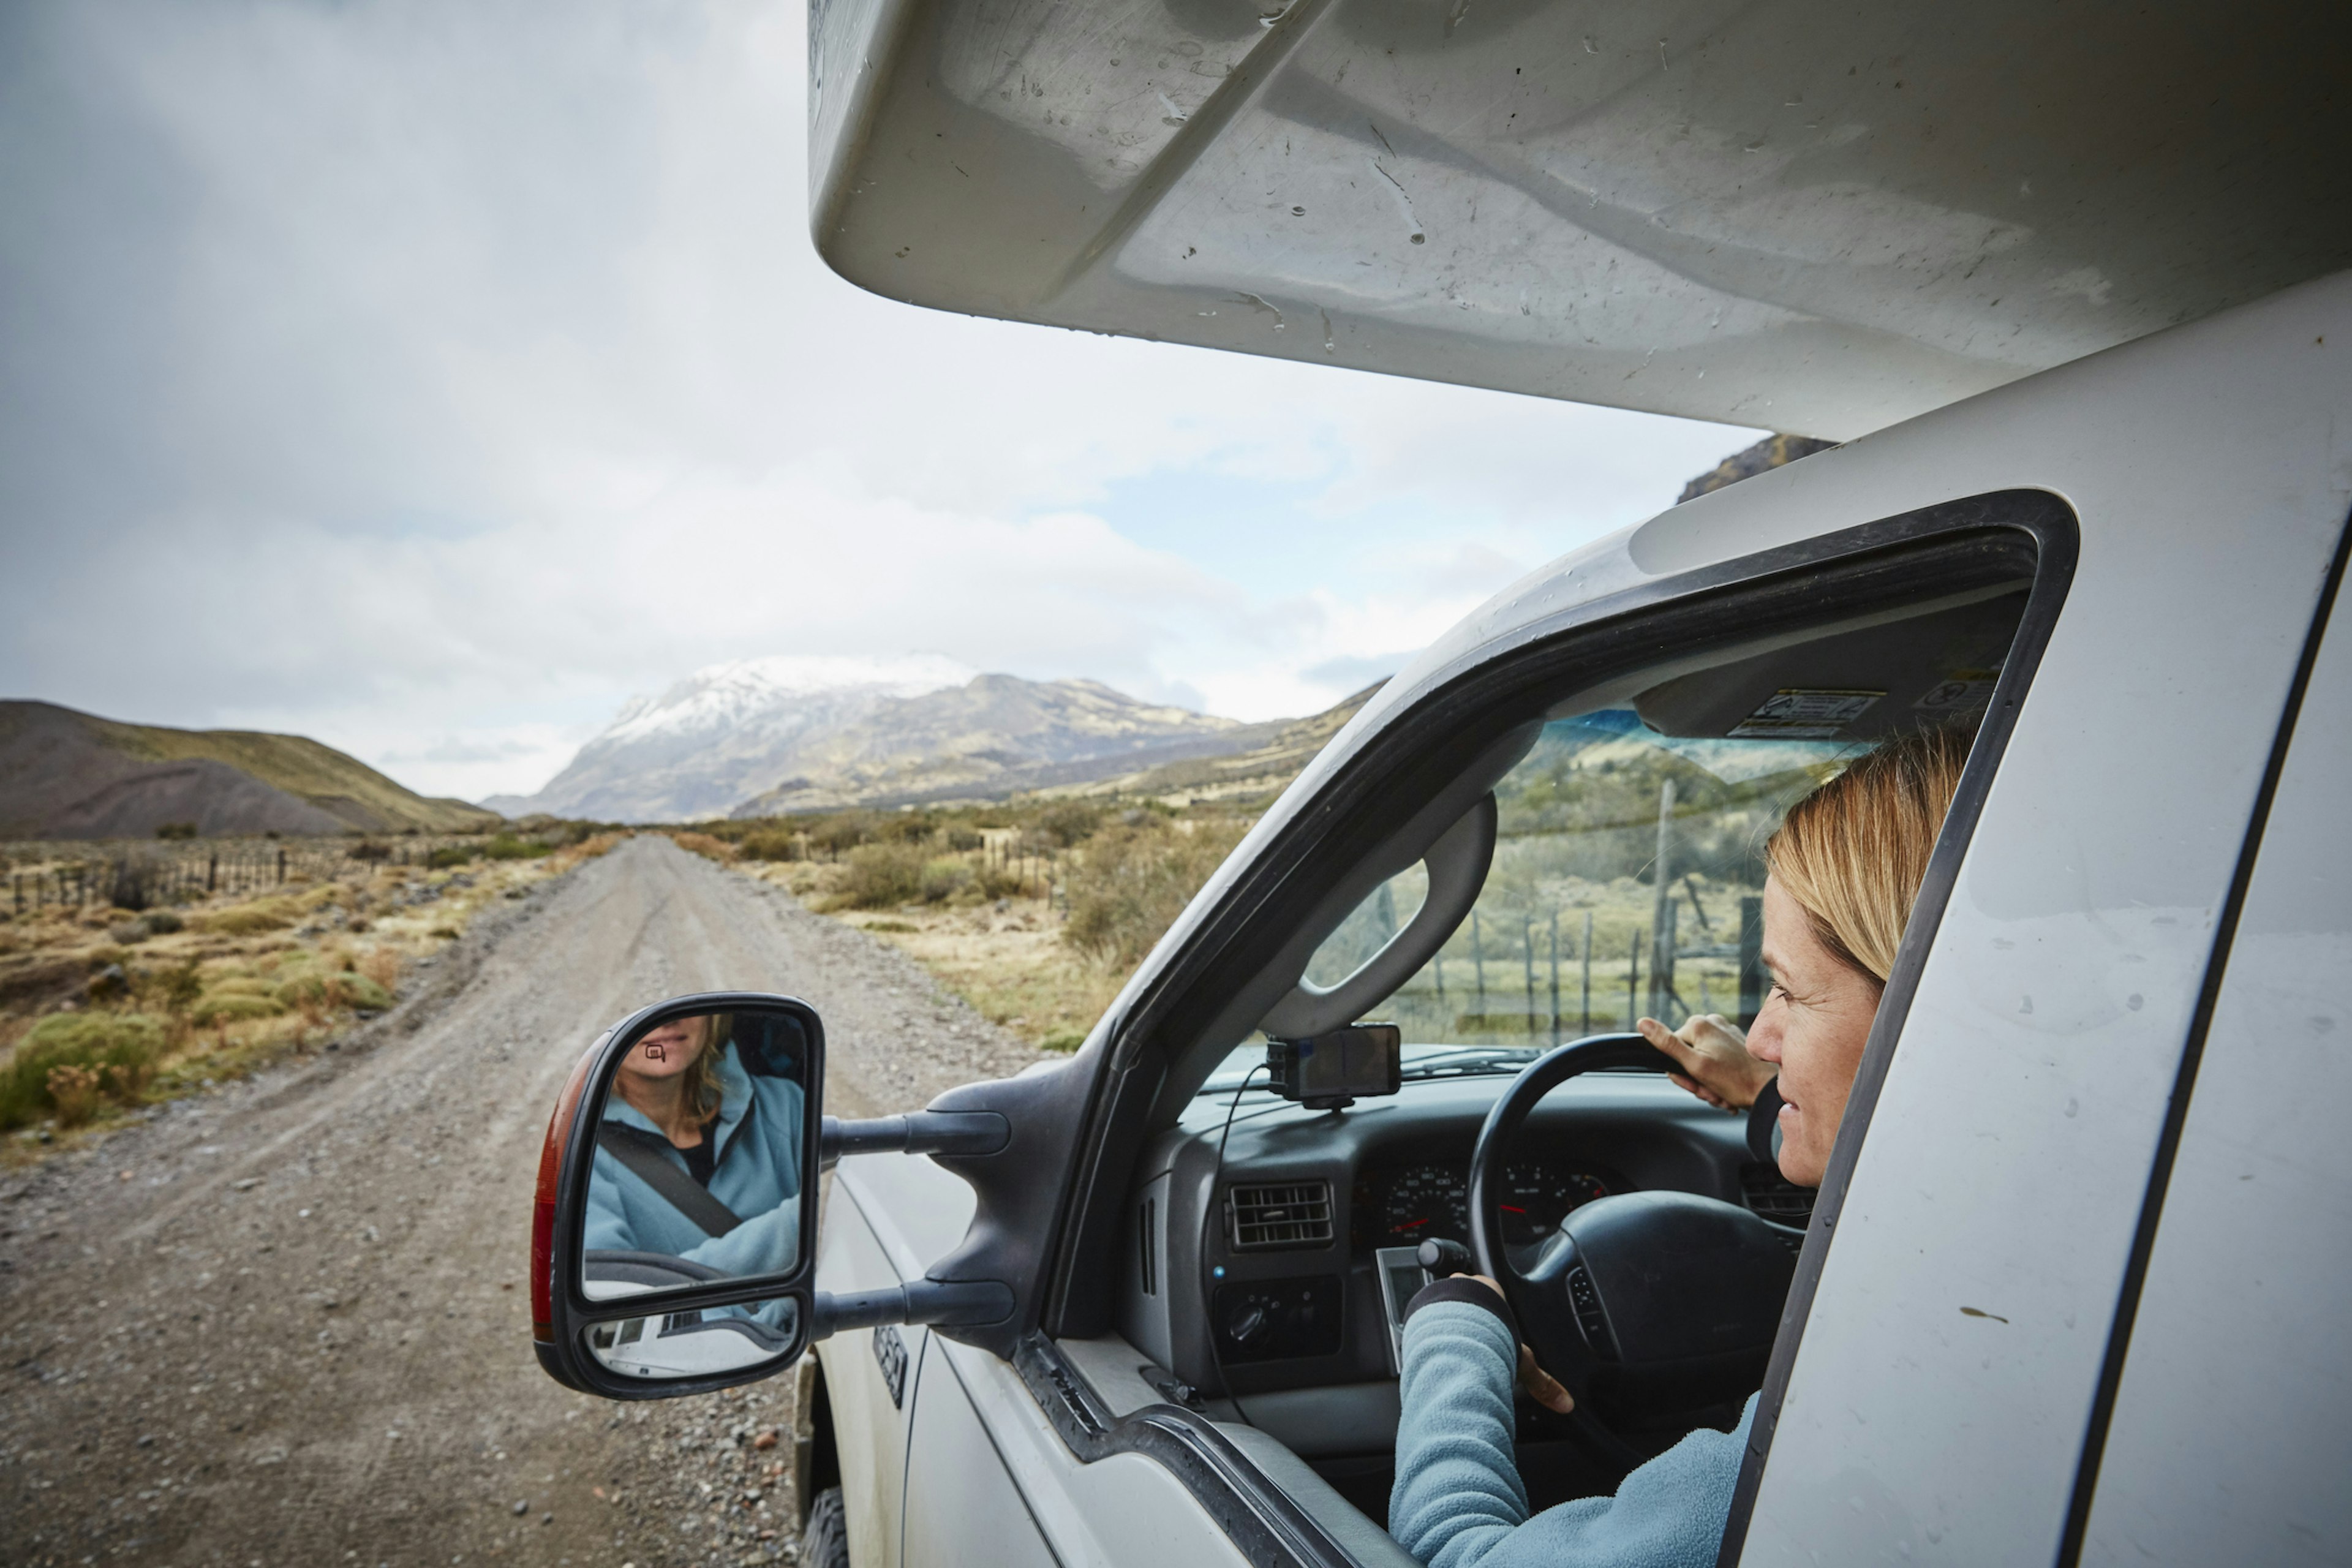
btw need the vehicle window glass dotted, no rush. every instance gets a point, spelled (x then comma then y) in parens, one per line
(1627, 881)
(1369, 928)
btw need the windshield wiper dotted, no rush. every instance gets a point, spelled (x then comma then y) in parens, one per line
(1470, 1060)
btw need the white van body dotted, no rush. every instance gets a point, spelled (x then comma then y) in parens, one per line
(1963, 1337)
(2077, 1288)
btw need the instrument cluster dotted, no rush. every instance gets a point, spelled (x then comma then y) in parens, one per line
(1405, 1204)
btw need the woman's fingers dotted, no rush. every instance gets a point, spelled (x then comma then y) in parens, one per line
(1541, 1387)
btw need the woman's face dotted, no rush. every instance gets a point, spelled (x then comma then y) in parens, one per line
(1814, 1024)
(668, 1050)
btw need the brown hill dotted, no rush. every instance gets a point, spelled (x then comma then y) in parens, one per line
(65, 774)
(1260, 772)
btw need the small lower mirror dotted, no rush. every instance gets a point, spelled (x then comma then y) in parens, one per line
(713, 1340)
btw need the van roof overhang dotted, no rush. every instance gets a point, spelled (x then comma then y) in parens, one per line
(1810, 218)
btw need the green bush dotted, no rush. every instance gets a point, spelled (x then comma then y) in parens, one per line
(448, 857)
(883, 875)
(340, 990)
(964, 841)
(176, 830)
(943, 880)
(507, 846)
(771, 844)
(217, 1007)
(122, 1048)
(1069, 822)
(841, 830)
(162, 922)
(1133, 882)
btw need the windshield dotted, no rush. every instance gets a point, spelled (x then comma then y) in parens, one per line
(1628, 881)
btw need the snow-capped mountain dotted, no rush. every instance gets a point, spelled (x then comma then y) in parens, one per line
(798, 733)
(725, 733)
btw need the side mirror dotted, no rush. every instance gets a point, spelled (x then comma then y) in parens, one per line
(674, 1230)
(672, 1240)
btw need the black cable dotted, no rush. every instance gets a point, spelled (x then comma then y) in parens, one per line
(1231, 1106)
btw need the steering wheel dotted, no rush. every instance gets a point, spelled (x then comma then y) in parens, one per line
(1649, 1300)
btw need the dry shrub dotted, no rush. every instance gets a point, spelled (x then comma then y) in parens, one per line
(74, 1091)
(1069, 822)
(1002, 882)
(382, 964)
(772, 844)
(1134, 881)
(879, 876)
(128, 1043)
(703, 845)
(249, 919)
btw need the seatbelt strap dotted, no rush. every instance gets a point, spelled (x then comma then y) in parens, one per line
(1764, 1121)
(637, 1152)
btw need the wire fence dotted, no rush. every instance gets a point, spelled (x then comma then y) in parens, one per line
(44, 876)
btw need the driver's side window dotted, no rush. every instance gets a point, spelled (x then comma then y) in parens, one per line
(1627, 881)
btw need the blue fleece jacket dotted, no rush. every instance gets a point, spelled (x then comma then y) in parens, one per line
(1458, 1501)
(756, 1173)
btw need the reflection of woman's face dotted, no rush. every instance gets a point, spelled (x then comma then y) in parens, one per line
(668, 1050)
(1814, 1024)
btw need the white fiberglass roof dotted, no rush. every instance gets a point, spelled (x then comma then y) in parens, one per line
(1815, 218)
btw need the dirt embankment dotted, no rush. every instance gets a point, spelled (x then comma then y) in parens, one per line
(288, 1322)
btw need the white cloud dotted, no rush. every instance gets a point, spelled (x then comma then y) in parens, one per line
(430, 378)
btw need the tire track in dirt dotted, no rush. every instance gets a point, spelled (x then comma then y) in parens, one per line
(296, 1331)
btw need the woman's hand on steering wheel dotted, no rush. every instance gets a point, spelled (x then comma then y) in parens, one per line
(1534, 1381)
(1713, 1054)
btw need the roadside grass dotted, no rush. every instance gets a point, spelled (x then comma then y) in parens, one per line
(106, 1011)
(1033, 912)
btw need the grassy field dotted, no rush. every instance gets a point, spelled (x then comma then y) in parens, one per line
(106, 1009)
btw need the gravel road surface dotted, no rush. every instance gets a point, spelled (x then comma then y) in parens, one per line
(288, 1322)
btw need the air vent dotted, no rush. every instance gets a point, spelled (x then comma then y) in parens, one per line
(1774, 1197)
(1278, 1217)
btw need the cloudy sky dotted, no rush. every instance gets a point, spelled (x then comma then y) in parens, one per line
(431, 377)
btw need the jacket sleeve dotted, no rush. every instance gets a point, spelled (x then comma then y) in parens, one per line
(763, 1243)
(1459, 1501)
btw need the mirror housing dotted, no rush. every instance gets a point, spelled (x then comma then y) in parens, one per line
(638, 1314)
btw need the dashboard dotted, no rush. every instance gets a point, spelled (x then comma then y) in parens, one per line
(1268, 1261)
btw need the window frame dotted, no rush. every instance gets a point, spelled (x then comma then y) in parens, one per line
(2032, 535)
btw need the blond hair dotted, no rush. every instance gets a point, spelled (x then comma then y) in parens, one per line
(1853, 853)
(701, 1089)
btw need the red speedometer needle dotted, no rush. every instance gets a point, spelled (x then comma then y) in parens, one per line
(1508, 1210)
(1410, 1225)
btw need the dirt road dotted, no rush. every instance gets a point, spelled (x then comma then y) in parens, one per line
(289, 1323)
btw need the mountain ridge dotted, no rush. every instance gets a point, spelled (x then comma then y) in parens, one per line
(784, 733)
(65, 774)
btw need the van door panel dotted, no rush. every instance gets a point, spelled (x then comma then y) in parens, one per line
(2231, 1433)
(870, 1427)
(983, 1446)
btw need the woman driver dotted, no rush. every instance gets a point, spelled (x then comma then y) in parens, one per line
(683, 1099)
(1844, 868)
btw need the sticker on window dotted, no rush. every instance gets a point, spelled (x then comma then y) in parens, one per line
(1968, 691)
(1802, 713)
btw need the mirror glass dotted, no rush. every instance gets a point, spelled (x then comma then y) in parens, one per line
(701, 1154)
(692, 1344)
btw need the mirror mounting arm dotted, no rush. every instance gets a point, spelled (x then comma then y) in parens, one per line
(916, 1133)
(957, 1303)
